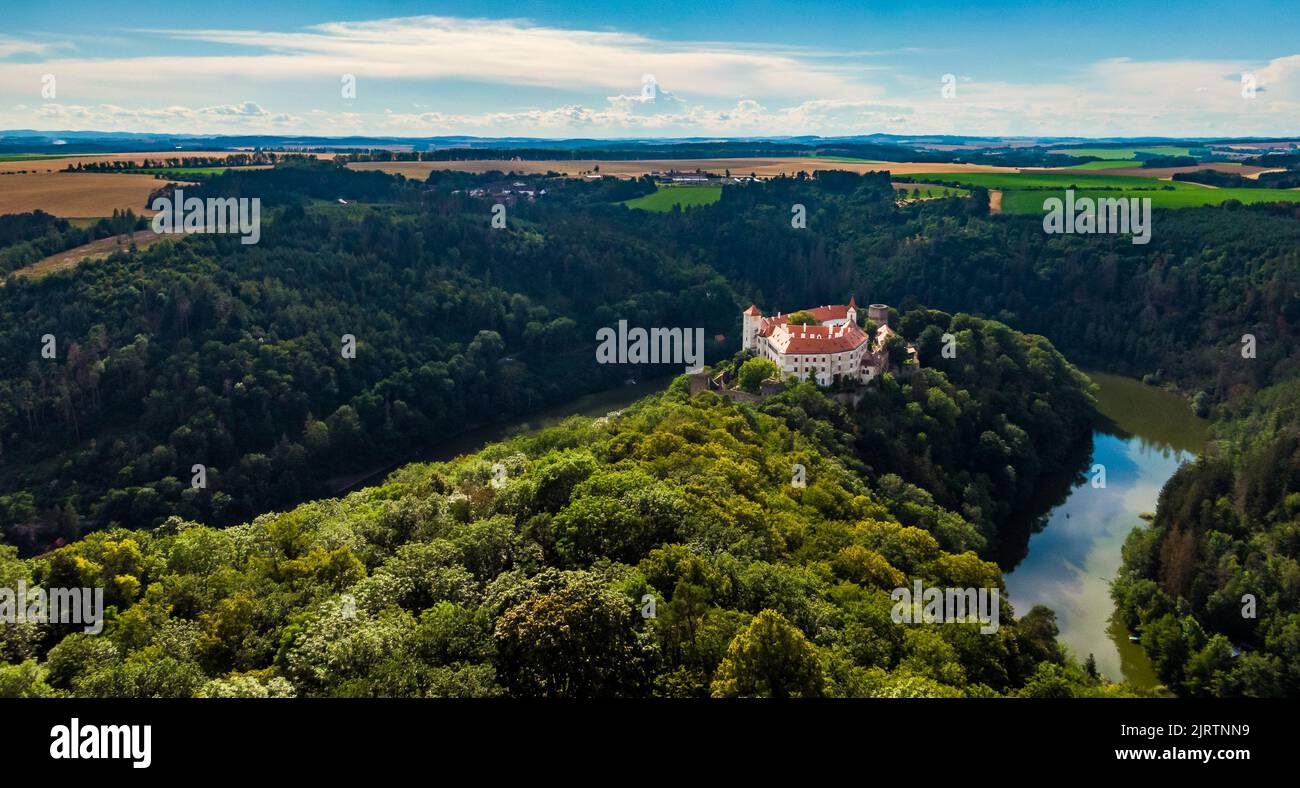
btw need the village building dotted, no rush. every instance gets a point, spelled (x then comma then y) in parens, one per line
(674, 176)
(835, 348)
(508, 192)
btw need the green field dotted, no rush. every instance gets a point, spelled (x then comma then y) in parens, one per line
(1016, 181)
(1032, 201)
(667, 196)
(1107, 164)
(1024, 192)
(1125, 153)
(930, 191)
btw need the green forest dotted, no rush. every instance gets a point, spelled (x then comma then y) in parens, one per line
(442, 583)
(201, 351)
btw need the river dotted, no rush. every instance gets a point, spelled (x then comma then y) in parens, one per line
(1145, 435)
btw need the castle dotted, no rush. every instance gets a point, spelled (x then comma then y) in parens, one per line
(834, 348)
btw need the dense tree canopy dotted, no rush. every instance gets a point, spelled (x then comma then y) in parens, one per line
(204, 352)
(661, 550)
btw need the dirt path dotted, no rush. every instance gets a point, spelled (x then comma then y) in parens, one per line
(1254, 176)
(95, 250)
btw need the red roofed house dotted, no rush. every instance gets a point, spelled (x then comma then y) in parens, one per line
(835, 348)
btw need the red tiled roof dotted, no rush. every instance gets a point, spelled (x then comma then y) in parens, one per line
(820, 313)
(753, 310)
(815, 340)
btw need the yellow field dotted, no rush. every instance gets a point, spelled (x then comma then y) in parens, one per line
(56, 165)
(764, 168)
(75, 194)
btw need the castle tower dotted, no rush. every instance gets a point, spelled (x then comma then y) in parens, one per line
(749, 322)
(879, 314)
(852, 315)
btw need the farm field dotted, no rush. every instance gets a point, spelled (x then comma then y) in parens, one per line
(685, 196)
(635, 168)
(1032, 201)
(1058, 179)
(55, 163)
(1136, 168)
(1125, 153)
(1105, 164)
(35, 156)
(78, 194)
(1025, 191)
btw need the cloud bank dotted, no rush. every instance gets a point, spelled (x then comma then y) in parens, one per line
(433, 75)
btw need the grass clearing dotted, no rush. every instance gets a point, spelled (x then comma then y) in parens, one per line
(665, 197)
(929, 191)
(95, 250)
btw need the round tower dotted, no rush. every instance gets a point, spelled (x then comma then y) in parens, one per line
(878, 314)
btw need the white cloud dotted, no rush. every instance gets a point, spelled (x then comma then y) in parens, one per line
(10, 46)
(557, 82)
(507, 52)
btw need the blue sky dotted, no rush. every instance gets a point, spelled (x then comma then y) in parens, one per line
(617, 69)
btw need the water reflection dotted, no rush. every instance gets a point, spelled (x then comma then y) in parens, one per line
(1069, 562)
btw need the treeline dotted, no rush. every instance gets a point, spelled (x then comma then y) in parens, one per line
(1017, 157)
(1226, 180)
(685, 150)
(660, 552)
(1169, 161)
(178, 162)
(26, 238)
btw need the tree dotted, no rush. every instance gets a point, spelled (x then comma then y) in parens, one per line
(754, 371)
(574, 641)
(803, 318)
(25, 680)
(770, 658)
(1090, 666)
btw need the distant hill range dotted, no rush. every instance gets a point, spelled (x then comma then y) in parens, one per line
(883, 146)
